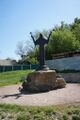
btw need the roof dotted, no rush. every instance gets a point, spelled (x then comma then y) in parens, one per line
(66, 54)
(7, 62)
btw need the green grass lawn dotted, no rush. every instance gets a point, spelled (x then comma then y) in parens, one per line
(12, 77)
(59, 112)
(15, 112)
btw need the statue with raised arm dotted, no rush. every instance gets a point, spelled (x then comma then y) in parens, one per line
(43, 79)
(41, 41)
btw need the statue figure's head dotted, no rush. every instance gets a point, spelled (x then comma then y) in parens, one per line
(40, 35)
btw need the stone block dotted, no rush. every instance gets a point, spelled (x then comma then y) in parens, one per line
(61, 83)
(38, 81)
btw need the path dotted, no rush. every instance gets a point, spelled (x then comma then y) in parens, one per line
(11, 94)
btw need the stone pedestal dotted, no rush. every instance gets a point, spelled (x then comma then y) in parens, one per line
(43, 81)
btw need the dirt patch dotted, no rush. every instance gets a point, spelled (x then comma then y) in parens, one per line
(12, 95)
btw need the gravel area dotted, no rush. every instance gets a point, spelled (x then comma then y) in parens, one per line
(12, 95)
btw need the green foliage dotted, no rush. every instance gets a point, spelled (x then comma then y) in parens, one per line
(64, 38)
(75, 117)
(24, 116)
(65, 117)
(32, 56)
(75, 28)
(59, 112)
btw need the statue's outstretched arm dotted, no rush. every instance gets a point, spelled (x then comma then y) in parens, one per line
(32, 38)
(49, 35)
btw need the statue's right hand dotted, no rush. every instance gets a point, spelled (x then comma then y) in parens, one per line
(31, 33)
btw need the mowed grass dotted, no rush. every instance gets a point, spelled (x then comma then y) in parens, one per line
(12, 77)
(58, 112)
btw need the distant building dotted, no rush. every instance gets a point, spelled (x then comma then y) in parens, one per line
(7, 62)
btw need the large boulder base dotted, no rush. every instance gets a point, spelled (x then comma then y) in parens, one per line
(39, 81)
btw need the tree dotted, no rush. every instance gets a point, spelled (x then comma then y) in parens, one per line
(62, 40)
(75, 28)
(21, 50)
(31, 57)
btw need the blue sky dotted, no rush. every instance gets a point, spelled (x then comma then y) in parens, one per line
(19, 17)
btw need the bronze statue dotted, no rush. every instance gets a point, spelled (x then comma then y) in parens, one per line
(41, 41)
(42, 79)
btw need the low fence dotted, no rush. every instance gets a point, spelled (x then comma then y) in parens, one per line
(17, 67)
(70, 63)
